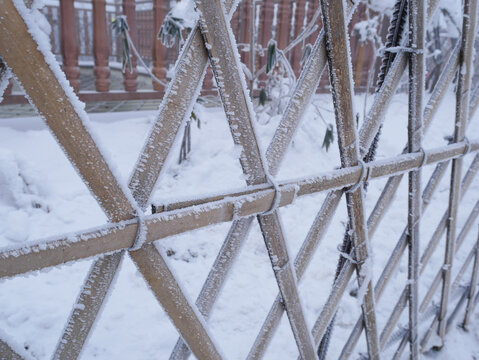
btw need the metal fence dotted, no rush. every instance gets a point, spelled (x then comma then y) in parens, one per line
(131, 233)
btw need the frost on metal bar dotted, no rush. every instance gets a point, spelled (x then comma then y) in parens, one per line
(68, 123)
(241, 205)
(462, 114)
(239, 112)
(216, 277)
(398, 251)
(300, 99)
(417, 35)
(167, 290)
(323, 218)
(472, 286)
(197, 213)
(48, 90)
(176, 105)
(342, 89)
(8, 352)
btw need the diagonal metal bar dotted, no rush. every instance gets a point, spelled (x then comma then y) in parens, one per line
(55, 105)
(332, 201)
(307, 84)
(337, 47)
(66, 123)
(396, 256)
(392, 185)
(472, 286)
(437, 279)
(462, 114)
(400, 305)
(417, 22)
(453, 315)
(402, 302)
(383, 98)
(434, 286)
(7, 352)
(216, 277)
(238, 108)
(169, 293)
(300, 99)
(176, 105)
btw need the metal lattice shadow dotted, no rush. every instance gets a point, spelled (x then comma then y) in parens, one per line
(129, 231)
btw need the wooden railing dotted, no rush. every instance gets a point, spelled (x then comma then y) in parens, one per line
(131, 232)
(82, 37)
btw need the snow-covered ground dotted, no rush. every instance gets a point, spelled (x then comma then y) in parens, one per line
(42, 196)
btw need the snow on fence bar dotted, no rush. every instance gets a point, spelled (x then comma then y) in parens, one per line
(131, 232)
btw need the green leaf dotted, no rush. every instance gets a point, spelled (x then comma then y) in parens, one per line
(328, 137)
(263, 97)
(195, 117)
(170, 30)
(271, 58)
(306, 53)
(121, 28)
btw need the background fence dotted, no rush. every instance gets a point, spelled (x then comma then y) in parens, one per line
(82, 36)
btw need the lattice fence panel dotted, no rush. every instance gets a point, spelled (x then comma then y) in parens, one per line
(130, 232)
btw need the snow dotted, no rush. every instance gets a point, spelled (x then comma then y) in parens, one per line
(34, 308)
(185, 9)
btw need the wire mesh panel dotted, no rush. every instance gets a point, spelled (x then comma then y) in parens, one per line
(131, 232)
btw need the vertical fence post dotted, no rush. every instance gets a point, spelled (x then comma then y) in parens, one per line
(298, 27)
(159, 51)
(252, 40)
(339, 63)
(69, 43)
(472, 286)
(130, 77)
(462, 113)
(267, 14)
(284, 22)
(101, 48)
(243, 35)
(417, 21)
